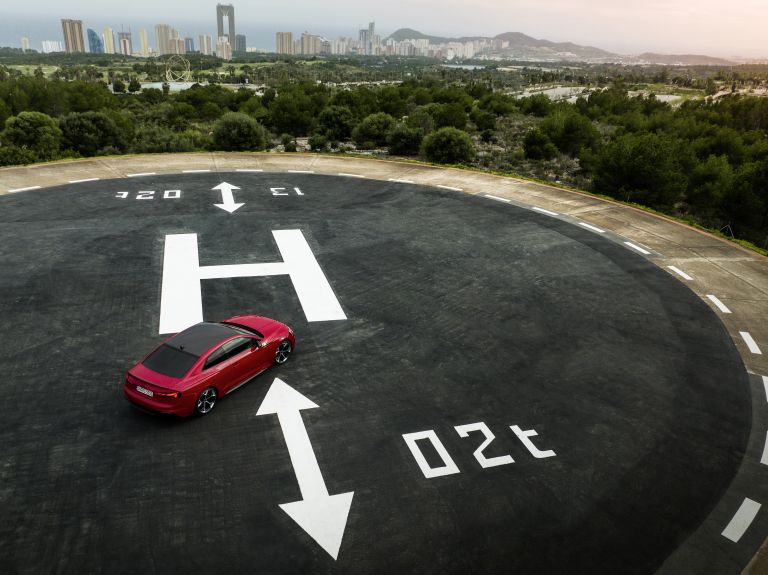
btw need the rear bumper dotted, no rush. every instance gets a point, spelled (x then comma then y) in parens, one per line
(182, 407)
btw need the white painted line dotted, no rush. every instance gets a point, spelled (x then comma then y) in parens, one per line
(547, 212)
(23, 189)
(83, 180)
(591, 227)
(194, 171)
(681, 273)
(742, 520)
(498, 199)
(401, 181)
(301, 171)
(248, 170)
(764, 458)
(638, 248)
(141, 174)
(352, 175)
(720, 305)
(751, 344)
(450, 188)
(765, 385)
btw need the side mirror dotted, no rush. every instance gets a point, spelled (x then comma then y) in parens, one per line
(256, 344)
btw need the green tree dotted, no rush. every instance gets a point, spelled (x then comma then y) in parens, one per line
(33, 131)
(238, 132)
(118, 86)
(373, 130)
(643, 168)
(451, 115)
(404, 140)
(570, 131)
(336, 122)
(483, 120)
(448, 146)
(134, 85)
(538, 146)
(89, 132)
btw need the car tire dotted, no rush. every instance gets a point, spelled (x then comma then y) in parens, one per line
(283, 352)
(206, 401)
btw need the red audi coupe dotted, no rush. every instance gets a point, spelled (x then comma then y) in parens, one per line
(187, 373)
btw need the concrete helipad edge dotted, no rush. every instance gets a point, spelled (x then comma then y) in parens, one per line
(731, 279)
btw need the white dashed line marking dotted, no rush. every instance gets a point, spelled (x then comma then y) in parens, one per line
(194, 171)
(301, 171)
(352, 175)
(450, 188)
(764, 458)
(681, 273)
(83, 180)
(498, 199)
(401, 181)
(720, 305)
(23, 189)
(591, 227)
(742, 520)
(141, 174)
(751, 344)
(543, 211)
(638, 248)
(248, 170)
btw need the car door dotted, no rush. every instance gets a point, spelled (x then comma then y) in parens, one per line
(228, 364)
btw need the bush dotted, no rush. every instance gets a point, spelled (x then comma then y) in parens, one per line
(538, 146)
(87, 133)
(404, 140)
(238, 132)
(14, 156)
(318, 142)
(336, 122)
(152, 139)
(373, 130)
(33, 131)
(448, 146)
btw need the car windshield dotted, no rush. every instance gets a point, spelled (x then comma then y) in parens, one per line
(170, 361)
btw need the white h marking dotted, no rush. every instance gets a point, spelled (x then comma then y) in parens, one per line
(181, 301)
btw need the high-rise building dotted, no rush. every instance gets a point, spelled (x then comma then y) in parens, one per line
(24, 44)
(73, 36)
(284, 42)
(227, 10)
(206, 44)
(51, 46)
(144, 41)
(223, 48)
(95, 44)
(125, 42)
(168, 40)
(109, 40)
(240, 43)
(189, 45)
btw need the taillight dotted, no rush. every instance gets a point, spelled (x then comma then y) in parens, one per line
(172, 394)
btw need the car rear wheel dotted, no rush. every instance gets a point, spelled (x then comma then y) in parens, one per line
(283, 352)
(206, 401)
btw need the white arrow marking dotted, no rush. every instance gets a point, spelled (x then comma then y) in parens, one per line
(227, 199)
(322, 516)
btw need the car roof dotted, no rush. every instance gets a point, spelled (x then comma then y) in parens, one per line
(201, 337)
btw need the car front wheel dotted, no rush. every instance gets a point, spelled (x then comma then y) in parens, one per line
(283, 352)
(206, 401)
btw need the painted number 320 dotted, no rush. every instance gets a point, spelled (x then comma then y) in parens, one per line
(150, 195)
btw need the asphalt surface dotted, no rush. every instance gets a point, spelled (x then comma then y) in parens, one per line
(460, 310)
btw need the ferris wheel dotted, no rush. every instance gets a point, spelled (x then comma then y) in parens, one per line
(178, 69)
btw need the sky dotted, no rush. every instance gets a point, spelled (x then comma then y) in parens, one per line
(733, 28)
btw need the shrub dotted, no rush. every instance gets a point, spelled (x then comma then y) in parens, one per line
(538, 146)
(238, 132)
(448, 146)
(87, 133)
(33, 131)
(404, 140)
(373, 130)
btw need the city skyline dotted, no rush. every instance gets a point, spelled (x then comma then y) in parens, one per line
(621, 26)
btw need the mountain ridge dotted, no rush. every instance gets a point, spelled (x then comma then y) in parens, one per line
(523, 46)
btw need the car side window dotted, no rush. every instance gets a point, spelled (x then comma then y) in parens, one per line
(230, 349)
(217, 356)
